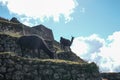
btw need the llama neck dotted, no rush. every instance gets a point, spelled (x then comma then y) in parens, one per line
(46, 49)
(23, 29)
(49, 52)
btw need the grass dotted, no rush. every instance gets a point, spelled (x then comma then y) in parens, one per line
(61, 61)
(13, 34)
(58, 49)
(57, 46)
(8, 22)
(7, 32)
(8, 53)
(40, 60)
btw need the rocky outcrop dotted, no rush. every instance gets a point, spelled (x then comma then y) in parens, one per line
(15, 26)
(17, 68)
(47, 33)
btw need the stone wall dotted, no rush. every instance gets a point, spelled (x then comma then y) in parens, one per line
(110, 76)
(8, 43)
(17, 68)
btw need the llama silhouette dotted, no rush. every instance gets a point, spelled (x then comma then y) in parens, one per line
(34, 42)
(65, 43)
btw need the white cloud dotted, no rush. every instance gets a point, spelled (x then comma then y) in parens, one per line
(105, 52)
(42, 9)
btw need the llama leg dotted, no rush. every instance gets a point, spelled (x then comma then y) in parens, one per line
(39, 51)
(55, 53)
(69, 49)
(34, 53)
(65, 48)
(22, 51)
(31, 53)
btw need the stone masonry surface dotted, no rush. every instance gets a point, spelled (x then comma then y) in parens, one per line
(18, 68)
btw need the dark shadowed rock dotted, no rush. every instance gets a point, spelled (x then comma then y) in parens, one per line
(46, 33)
(70, 56)
(14, 19)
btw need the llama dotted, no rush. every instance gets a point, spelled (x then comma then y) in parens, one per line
(65, 43)
(34, 43)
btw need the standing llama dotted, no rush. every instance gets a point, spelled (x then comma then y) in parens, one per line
(65, 43)
(34, 43)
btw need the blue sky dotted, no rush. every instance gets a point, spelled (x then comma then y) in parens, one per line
(89, 17)
(95, 24)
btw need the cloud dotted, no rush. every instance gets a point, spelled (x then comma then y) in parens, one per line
(104, 52)
(42, 9)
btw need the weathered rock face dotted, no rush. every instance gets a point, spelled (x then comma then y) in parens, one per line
(1, 18)
(18, 68)
(47, 33)
(15, 26)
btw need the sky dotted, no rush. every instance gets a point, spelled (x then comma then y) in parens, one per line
(95, 24)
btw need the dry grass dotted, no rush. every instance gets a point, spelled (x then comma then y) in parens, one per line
(13, 34)
(40, 60)
(58, 49)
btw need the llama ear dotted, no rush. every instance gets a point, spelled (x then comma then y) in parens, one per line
(61, 37)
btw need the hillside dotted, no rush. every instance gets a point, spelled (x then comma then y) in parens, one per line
(13, 66)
